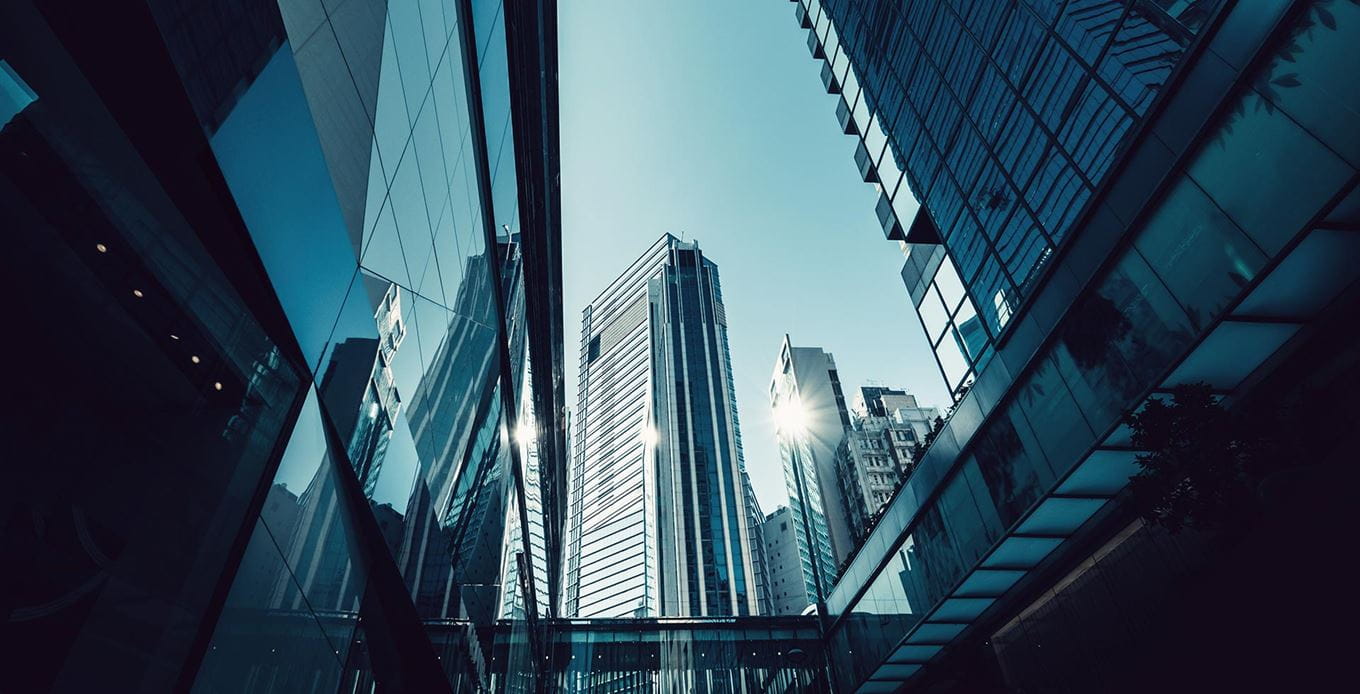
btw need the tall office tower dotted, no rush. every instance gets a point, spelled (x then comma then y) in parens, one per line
(877, 452)
(1001, 119)
(285, 274)
(659, 522)
(791, 591)
(809, 411)
(1116, 198)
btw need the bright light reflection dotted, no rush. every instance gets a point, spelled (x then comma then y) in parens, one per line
(790, 417)
(525, 433)
(649, 435)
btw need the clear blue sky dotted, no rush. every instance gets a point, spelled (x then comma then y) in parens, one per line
(709, 119)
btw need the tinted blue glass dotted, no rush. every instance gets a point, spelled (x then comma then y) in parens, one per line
(254, 640)
(1011, 466)
(413, 61)
(1139, 59)
(1086, 26)
(1093, 131)
(392, 123)
(1054, 84)
(1310, 79)
(294, 601)
(1102, 359)
(269, 153)
(965, 523)
(1203, 258)
(1059, 428)
(15, 94)
(1299, 173)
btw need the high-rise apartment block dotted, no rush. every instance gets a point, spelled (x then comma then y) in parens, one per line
(790, 587)
(662, 519)
(1100, 201)
(879, 450)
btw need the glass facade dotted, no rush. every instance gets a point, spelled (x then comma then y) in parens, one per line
(731, 654)
(305, 454)
(999, 120)
(1197, 294)
(662, 519)
(288, 412)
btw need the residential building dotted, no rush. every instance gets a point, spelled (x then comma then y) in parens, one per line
(1099, 202)
(661, 520)
(288, 280)
(790, 582)
(879, 450)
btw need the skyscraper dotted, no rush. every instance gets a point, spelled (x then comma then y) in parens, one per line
(290, 279)
(1001, 119)
(1100, 201)
(660, 521)
(810, 415)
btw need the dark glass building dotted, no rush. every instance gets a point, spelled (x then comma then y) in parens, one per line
(1001, 119)
(1100, 202)
(290, 413)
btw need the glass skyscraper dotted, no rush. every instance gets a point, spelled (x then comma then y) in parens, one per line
(1001, 119)
(1100, 201)
(292, 398)
(810, 415)
(662, 519)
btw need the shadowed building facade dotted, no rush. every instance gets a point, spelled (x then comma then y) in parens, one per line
(1099, 201)
(291, 273)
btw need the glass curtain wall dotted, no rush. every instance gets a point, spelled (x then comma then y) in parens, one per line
(298, 452)
(1207, 239)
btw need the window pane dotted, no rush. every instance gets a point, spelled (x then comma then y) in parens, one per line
(1293, 174)
(951, 287)
(1202, 256)
(933, 315)
(952, 359)
(1322, 94)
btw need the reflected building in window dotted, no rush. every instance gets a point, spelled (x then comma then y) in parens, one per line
(662, 520)
(295, 281)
